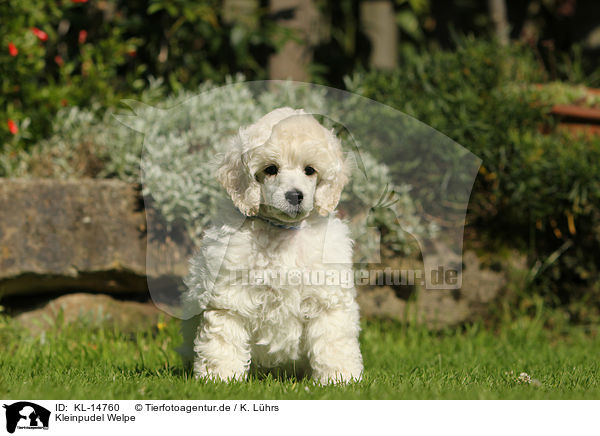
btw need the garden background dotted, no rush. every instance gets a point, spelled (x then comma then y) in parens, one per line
(511, 81)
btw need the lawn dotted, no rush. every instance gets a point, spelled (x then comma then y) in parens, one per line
(401, 362)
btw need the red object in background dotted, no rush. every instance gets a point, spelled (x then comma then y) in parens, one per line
(79, 1)
(42, 36)
(576, 117)
(12, 50)
(64, 102)
(577, 112)
(12, 127)
(132, 53)
(59, 61)
(82, 36)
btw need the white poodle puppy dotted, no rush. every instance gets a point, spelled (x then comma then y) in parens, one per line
(276, 289)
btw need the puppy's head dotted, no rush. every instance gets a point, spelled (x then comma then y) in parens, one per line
(283, 167)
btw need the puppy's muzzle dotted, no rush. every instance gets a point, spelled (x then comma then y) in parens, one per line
(294, 197)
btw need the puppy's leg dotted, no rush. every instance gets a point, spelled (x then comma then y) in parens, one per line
(333, 348)
(222, 347)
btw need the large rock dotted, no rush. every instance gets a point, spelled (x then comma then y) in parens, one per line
(93, 311)
(90, 235)
(482, 286)
(78, 235)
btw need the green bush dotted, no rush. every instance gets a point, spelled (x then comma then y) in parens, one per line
(537, 191)
(84, 52)
(177, 149)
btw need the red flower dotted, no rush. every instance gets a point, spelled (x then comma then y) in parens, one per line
(42, 36)
(82, 36)
(59, 60)
(12, 50)
(12, 127)
(132, 53)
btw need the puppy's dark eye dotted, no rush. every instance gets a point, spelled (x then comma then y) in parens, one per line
(309, 171)
(271, 170)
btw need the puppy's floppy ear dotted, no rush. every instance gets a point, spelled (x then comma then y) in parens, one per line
(333, 178)
(239, 182)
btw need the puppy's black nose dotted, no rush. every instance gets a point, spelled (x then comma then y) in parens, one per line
(294, 197)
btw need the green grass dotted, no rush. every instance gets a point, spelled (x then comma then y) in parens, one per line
(401, 362)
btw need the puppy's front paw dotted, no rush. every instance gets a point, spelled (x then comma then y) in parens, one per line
(337, 377)
(223, 374)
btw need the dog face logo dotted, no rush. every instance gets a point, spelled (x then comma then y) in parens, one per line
(26, 415)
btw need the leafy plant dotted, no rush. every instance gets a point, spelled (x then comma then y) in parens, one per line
(176, 144)
(93, 53)
(537, 191)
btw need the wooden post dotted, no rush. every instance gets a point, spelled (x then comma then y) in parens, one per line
(239, 10)
(378, 21)
(497, 10)
(293, 60)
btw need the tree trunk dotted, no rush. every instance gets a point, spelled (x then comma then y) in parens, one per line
(379, 23)
(293, 60)
(240, 10)
(497, 10)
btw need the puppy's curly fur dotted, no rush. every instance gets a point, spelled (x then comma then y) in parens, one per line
(285, 174)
